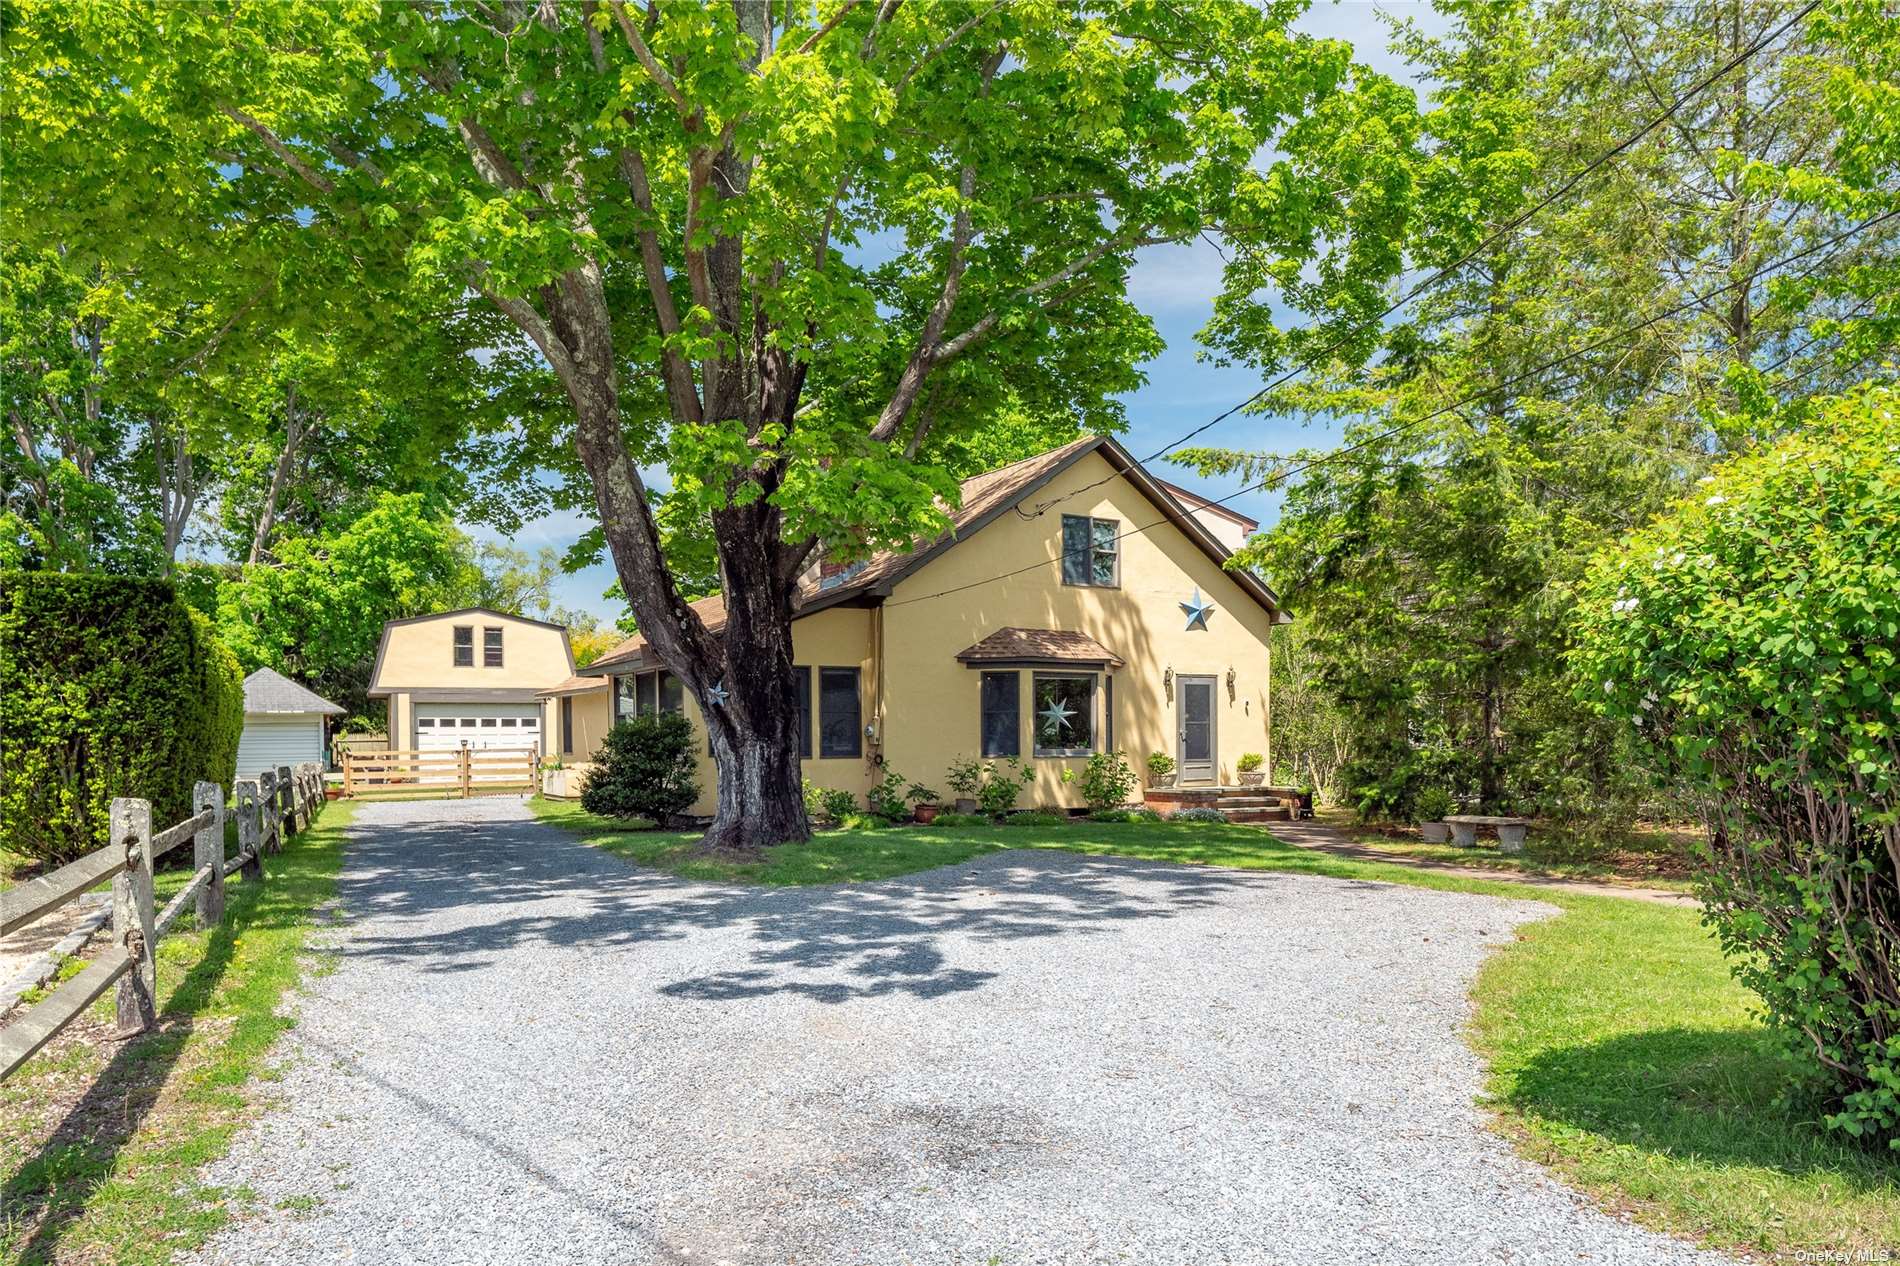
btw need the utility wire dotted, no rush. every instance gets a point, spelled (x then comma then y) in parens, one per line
(1493, 239)
(1332, 455)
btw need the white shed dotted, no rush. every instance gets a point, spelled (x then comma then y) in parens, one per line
(283, 723)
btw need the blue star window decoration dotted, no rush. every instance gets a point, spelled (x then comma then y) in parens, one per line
(1198, 609)
(1056, 717)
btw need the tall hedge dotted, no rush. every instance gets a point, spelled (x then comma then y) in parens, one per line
(1751, 642)
(109, 686)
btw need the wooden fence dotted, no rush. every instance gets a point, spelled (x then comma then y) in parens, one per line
(266, 808)
(463, 771)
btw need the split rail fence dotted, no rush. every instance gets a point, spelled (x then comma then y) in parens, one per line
(266, 808)
(463, 771)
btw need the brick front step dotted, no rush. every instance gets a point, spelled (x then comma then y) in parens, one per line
(1240, 804)
(1278, 813)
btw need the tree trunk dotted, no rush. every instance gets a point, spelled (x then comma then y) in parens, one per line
(755, 730)
(267, 517)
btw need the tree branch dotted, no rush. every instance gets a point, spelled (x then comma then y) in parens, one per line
(311, 176)
(844, 11)
(948, 40)
(987, 322)
(654, 70)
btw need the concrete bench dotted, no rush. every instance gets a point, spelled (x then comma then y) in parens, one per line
(1464, 831)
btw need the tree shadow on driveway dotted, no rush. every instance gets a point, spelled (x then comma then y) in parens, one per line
(454, 897)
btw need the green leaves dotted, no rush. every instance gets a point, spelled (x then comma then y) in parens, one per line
(1748, 642)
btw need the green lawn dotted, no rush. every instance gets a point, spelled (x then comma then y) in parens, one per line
(101, 1143)
(1620, 1052)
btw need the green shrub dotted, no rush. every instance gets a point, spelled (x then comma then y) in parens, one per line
(1107, 781)
(965, 776)
(1750, 643)
(645, 769)
(1036, 817)
(961, 819)
(834, 804)
(917, 793)
(109, 686)
(863, 822)
(1249, 762)
(1197, 815)
(1004, 782)
(1124, 816)
(1432, 805)
(886, 799)
(1160, 764)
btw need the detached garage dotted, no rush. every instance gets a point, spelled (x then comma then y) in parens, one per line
(283, 723)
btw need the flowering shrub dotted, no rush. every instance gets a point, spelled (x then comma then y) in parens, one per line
(1197, 815)
(1751, 642)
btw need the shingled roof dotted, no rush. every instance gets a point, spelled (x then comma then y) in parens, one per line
(269, 691)
(983, 497)
(1039, 646)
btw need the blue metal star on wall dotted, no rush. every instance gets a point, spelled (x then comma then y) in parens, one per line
(716, 694)
(1198, 609)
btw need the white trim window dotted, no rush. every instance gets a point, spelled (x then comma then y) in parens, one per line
(1063, 714)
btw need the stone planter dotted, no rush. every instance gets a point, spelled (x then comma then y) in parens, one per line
(965, 804)
(927, 813)
(1252, 779)
(1434, 832)
(1159, 781)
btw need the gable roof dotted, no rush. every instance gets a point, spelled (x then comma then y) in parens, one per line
(984, 497)
(1195, 502)
(267, 690)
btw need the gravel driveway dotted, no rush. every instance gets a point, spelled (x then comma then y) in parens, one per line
(531, 1052)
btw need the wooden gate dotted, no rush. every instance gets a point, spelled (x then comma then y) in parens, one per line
(448, 772)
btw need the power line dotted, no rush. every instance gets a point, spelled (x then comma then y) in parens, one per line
(1493, 239)
(1280, 476)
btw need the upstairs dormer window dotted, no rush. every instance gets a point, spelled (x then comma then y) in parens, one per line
(1089, 551)
(491, 647)
(465, 646)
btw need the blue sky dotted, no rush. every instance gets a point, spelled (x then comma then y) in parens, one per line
(1176, 286)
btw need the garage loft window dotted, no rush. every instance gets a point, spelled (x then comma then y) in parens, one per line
(465, 646)
(1065, 714)
(1090, 554)
(491, 648)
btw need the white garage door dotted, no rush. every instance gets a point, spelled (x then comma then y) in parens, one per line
(271, 739)
(446, 726)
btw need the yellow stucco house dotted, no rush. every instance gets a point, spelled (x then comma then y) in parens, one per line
(1076, 604)
(468, 678)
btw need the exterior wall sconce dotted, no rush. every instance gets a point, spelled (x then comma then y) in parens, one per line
(1230, 684)
(1167, 683)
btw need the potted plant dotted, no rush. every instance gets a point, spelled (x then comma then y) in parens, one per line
(1430, 807)
(1160, 769)
(925, 803)
(1249, 768)
(966, 779)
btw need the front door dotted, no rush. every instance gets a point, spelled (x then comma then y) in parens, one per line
(1196, 757)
